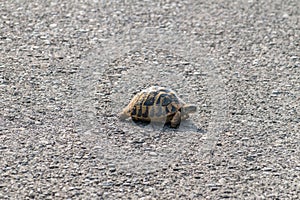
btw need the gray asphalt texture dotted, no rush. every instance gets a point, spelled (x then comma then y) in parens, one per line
(67, 69)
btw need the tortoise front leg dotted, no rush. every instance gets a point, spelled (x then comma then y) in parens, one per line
(175, 122)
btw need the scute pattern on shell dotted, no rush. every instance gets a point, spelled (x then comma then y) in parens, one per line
(158, 104)
(154, 104)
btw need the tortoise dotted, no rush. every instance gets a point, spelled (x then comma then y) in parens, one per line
(157, 104)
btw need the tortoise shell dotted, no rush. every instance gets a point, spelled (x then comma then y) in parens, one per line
(157, 104)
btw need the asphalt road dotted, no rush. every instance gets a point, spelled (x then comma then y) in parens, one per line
(67, 68)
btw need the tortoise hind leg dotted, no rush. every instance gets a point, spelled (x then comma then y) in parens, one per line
(175, 121)
(124, 114)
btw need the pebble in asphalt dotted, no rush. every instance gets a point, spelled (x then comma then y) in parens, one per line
(66, 68)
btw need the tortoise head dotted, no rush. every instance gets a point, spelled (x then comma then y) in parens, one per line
(188, 108)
